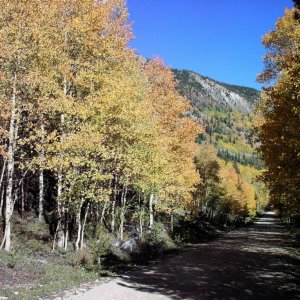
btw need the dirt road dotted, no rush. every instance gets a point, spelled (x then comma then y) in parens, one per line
(260, 262)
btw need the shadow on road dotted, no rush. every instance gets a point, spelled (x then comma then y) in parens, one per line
(252, 263)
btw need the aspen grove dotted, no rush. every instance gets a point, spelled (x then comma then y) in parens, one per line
(91, 133)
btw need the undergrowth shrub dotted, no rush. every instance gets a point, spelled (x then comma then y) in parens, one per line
(84, 259)
(156, 241)
(100, 246)
(193, 231)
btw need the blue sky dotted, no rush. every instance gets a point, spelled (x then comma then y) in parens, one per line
(220, 39)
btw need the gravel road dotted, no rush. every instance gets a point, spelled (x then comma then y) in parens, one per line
(259, 262)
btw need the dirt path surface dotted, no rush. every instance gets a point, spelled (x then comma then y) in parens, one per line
(259, 262)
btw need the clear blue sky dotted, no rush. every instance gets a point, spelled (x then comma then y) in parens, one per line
(217, 38)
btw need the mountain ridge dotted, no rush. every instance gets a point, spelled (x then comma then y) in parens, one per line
(205, 90)
(226, 113)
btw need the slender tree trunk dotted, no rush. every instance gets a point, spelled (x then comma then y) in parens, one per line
(60, 207)
(41, 178)
(151, 217)
(83, 226)
(1, 202)
(2, 188)
(172, 222)
(78, 235)
(10, 169)
(60, 234)
(60, 214)
(22, 199)
(103, 213)
(66, 237)
(113, 208)
(123, 210)
(2, 174)
(66, 228)
(78, 222)
(41, 196)
(141, 221)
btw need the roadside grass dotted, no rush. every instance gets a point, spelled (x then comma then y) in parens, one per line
(32, 270)
(53, 278)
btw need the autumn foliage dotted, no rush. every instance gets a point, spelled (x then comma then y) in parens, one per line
(91, 133)
(279, 119)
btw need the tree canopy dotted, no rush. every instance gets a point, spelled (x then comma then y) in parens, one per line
(280, 113)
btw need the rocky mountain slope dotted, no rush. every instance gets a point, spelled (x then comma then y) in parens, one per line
(204, 91)
(225, 111)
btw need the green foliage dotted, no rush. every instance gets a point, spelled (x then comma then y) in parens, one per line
(155, 241)
(195, 230)
(84, 259)
(100, 246)
(229, 130)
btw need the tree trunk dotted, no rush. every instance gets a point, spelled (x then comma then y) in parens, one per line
(66, 229)
(41, 196)
(22, 199)
(83, 226)
(78, 222)
(60, 234)
(151, 217)
(113, 208)
(141, 221)
(10, 170)
(2, 174)
(123, 210)
(2, 189)
(103, 213)
(1, 202)
(60, 214)
(41, 179)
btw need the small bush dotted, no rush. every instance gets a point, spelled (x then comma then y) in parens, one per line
(156, 241)
(84, 259)
(101, 245)
(194, 231)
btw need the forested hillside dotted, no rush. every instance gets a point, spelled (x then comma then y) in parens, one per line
(226, 113)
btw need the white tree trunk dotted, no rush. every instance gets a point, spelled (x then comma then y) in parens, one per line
(83, 226)
(78, 222)
(151, 217)
(141, 223)
(10, 170)
(123, 210)
(60, 207)
(113, 208)
(41, 196)
(2, 173)
(103, 213)
(41, 178)
(2, 188)
(22, 199)
(66, 228)
(60, 214)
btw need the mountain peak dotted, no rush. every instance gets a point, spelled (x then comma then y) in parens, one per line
(203, 91)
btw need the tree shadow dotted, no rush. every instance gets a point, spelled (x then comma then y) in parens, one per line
(251, 263)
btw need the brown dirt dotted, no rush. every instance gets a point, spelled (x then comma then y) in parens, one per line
(15, 277)
(259, 262)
